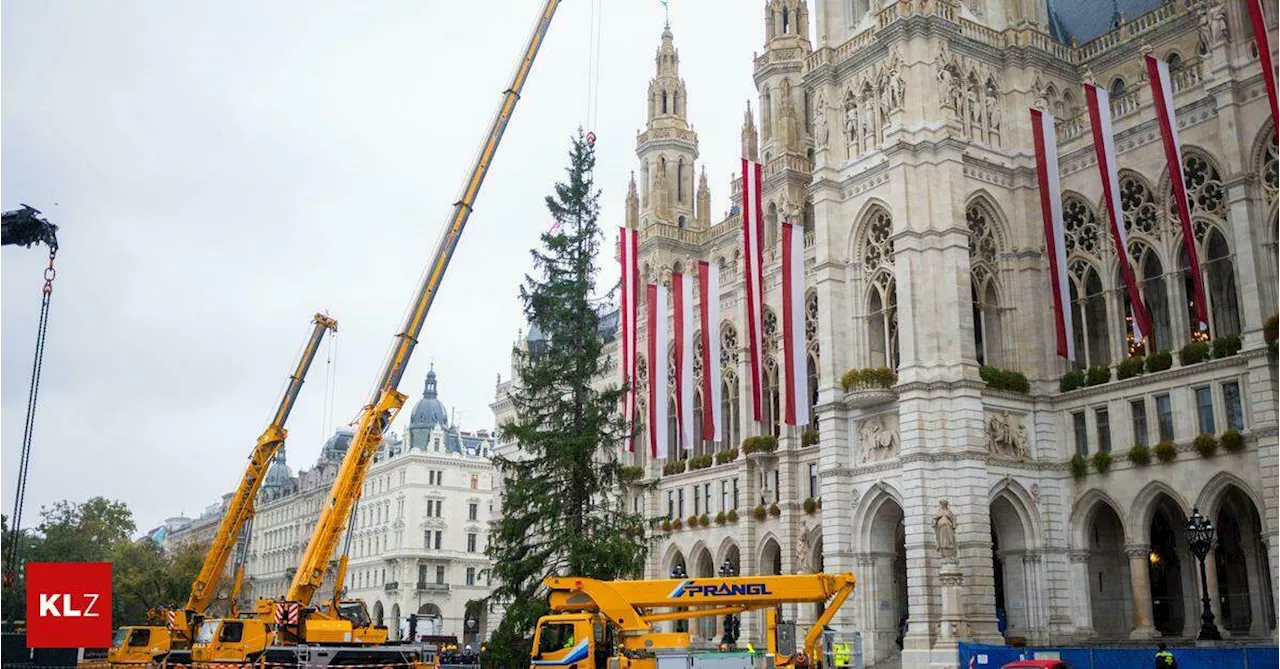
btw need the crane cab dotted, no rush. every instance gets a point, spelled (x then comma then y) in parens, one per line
(232, 640)
(139, 644)
(567, 640)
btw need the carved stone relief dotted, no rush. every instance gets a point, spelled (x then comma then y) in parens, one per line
(1007, 435)
(878, 437)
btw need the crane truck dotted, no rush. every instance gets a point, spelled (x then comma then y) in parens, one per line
(169, 641)
(595, 624)
(291, 630)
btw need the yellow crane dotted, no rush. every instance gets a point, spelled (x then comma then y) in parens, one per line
(595, 622)
(281, 631)
(171, 640)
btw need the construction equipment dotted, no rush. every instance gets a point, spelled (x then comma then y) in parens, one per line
(169, 638)
(611, 623)
(282, 631)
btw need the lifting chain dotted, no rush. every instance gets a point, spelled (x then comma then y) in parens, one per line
(13, 558)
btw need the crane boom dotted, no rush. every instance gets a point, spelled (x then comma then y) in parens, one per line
(386, 400)
(240, 509)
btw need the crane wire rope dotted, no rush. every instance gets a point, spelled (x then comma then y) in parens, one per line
(593, 70)
(33, 394)
(330, 386)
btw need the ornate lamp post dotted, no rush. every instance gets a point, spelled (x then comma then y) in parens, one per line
(1200, 537)
(732, 626)
(679, 572)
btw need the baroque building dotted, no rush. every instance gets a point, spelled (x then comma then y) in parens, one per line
(898, 133)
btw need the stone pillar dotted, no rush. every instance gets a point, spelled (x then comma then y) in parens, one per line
(1258, 613)
(1140, 582)
(1081, 607)
(1215, 593)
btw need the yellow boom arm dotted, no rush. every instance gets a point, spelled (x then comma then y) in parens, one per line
(386, 399)
(240, 509)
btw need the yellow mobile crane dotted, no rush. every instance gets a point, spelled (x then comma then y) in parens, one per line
(171, 641)
(286, 631)
(611, 623)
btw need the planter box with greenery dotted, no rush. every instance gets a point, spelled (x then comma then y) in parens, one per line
(1206, 445)
(765, 444)
(809, 437)
(727, 455)
(630, 473)
(1165, 451)
(868, 387)
(674, 467)
(1232, 441)
(1004, 379)
(1071, 380)
(810, 505)
(666, 524)
(1097, 375)
(1129, 367)
(1140, 454)
(760, 512)
(1102, 461)
(1193, 352)
(1226, 345)
(774, 510)
(693, 522)
(699, 462)
(676, 524)
(1078, 466)
(732, 516)
(1159, 361)
(720, 518)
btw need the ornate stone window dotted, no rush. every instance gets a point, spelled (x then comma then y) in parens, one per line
(877, 251)
(1139, 205)
(881, 294)
(1150, 274)
(1268, 170)
(1205, 192)
(1081, 223)
(1088, 313)
(772, 405)
(729, 410)
(770, 320)
(984, 261)
(728, 347)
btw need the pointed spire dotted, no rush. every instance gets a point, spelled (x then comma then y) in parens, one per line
(703, 214)
(750, 144)
(633, 204)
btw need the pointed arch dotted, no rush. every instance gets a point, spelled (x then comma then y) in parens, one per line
(672, 557)
(1210, 498)
(1144, 507)
(873, 501)
(862, 221)
(769, 560)
(729, 550)
(1020, 500)
(1084, 511)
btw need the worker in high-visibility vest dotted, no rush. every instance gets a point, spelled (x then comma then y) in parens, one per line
(751, 649)
(842, 654)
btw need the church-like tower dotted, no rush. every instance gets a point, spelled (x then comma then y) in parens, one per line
(786, 115)
(668, 146)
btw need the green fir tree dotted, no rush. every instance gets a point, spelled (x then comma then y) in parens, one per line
(562, 511)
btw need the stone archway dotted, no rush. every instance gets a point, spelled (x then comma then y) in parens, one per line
(378, 618)
(395, 631)
(1239, 568)
(1171, 569)
(1016, 572)
(1105, 569)
(430, 620)
(881, 599)
(704, 567)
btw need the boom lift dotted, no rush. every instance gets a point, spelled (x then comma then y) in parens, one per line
(171, 638)
(611, 623)
(279, 631)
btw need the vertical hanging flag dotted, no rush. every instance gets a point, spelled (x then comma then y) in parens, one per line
(793, 342)
(1162, 92)
(709, 310)
(682, 294)
(1262, 40)
(1104, 147)
(1054, 231)
(627, 254)
(753, 262)
(656, 303)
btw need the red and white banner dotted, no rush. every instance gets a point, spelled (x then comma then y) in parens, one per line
(1162, 93)
(682, 294)
(709, 310)
(656, 303)
(1046, 143)
(793, 340)
(753, 252)
(627, 255)
(1105, 148)
(1262, 39)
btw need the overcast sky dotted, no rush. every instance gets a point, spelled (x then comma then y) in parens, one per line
(220, 170)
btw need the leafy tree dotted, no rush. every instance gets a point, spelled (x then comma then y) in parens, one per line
(83, 532)
(144, 577)
(561, 508)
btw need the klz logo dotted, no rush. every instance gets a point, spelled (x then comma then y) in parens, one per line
(691, 589)
(68, 604)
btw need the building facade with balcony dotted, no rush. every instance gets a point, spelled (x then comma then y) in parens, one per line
(900, 137)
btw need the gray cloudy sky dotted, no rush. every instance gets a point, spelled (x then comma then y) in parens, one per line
(223, 169)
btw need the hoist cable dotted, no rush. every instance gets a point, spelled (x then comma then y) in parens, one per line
(595, 91)
(33, 395)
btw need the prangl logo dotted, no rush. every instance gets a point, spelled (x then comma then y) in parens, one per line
(693, 589)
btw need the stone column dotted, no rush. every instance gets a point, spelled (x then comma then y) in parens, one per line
(1140, 582)
(1215, 594)
(1081, 607)
(1253, 567)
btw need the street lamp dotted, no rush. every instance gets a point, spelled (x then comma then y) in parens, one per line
(1200, 537)
(732, 626)
(679, 572)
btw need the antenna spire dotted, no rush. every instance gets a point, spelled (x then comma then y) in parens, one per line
(666, 8)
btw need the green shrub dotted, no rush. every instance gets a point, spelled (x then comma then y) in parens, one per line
(1165, 451)
(1193, 352)
(732, 516)
(1226, 345)
(1140, 454)
(809, 437)
(704, 520)
(1129, 367)
(774, 510)
(1078, 466)
(1271, 330)
(760, 512)
(720, 518)
(1159, 361)
(1232, 441)
(874, 377)
(630, 473)
(699, 462)
(810, 505)
(1206, 445)
(1004, 379)
(1071, 380)
(666, 524)
(1102, 461)
(1098, 375)
(676, 524)
(765, 444)
(674, 467)
(727, 455)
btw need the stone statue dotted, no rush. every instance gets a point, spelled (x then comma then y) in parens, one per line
(1218, 18)
(944, 530)
(897, 88)
(851, 118)
(820, 131)
(946, 84)
(804, 552)
(993, 110)
(886, 98)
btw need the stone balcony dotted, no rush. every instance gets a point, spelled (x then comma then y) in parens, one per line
(433, 588)
(391, 587)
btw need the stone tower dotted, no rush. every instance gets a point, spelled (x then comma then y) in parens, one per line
(786, 115)
(668, 146)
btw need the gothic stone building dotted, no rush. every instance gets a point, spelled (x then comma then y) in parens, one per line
(899, 134)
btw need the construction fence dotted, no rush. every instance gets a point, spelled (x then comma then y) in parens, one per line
(977, 656)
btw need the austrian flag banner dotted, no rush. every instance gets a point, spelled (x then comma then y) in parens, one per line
(682, 293)
(752, 249)
(1162, 93)
(1104, 146)
(656, 303)
(793, 341)
(1262, 39)
(627, 255)
(1054, 231)
(709, 310)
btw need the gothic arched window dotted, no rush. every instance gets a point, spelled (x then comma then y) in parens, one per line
(1118, 87)
(729, 411)
(674, 451)
(1138, 205)
(680, 180)
(766, 114)
(984, 260)
(882, 313)
(699, 446)
(772, 405)
(771, 226)
(811, 374)
(1224, 309)
(1089, 314)
(1155, 294)
(664, 102)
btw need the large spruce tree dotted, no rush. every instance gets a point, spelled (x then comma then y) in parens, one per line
(562, 512)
